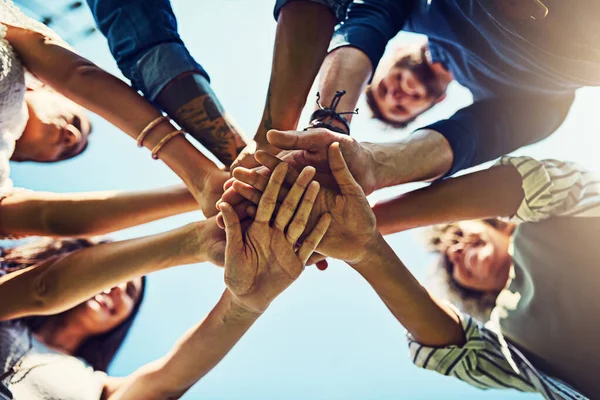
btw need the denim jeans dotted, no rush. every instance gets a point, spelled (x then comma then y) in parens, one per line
(142, 37)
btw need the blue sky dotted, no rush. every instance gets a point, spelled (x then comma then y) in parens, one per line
(328, 336)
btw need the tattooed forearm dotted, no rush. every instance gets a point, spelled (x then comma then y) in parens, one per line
(205, 120)
(190, 101)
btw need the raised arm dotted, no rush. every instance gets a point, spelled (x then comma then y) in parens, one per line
(28, 213)
(59, 284)
(304, 29)
(356, 48)
(518, 187)
(93, 88)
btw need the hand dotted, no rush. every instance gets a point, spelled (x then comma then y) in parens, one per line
(353, 224)
(246, 157)
(262, 261)
(311, 147)
(211, 239)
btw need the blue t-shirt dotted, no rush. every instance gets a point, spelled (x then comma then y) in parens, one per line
(522, 78)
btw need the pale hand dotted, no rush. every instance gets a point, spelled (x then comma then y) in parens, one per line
(261, 262)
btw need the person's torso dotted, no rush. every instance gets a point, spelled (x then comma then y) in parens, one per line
(556, 321)
(496, 56)
(37, 372)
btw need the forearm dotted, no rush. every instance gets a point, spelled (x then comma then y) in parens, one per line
(423, 156)
(59, 284)
(195, 354)
(304, 30)
(89, 214)
(346, 68)
(484, 194)
(90, 86)
(429, 322)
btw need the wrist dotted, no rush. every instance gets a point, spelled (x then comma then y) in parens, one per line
(373, 249)
(373, 167)
(238, 309)
(193, 243)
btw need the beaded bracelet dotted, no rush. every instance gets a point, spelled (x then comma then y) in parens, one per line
(164, 141)
(148, 128)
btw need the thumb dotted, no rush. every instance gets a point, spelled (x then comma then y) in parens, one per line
(233, 230)
(300, 140)
(340, 171)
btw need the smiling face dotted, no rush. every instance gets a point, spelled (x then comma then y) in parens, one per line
(405, 86)
(479, 257)
(57, 128)
(106, 310)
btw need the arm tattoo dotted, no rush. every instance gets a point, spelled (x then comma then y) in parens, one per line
(203, 118)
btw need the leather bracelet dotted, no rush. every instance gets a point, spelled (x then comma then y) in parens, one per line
(325, 125)
(323, 117)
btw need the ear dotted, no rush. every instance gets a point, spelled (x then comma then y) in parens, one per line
(441, 98)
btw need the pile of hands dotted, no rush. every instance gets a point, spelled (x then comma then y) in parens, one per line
(283, 212)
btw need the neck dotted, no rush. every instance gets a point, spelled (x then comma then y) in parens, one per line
(60, 336)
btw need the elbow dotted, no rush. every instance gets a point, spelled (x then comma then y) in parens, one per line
(80, 70)
(55, 224)
(43, 298)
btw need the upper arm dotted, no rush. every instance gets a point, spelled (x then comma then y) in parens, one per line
(22, 292)
(22, 213)
(369, 26)
(555, 188)
(40, 51)
(491, 128)
(480, 362)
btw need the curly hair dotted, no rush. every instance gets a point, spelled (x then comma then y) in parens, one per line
(477, 303)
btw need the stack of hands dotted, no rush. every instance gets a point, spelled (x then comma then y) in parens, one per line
(282, 214)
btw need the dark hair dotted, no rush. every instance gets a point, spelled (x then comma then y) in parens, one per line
(99, 350)
(415, 62)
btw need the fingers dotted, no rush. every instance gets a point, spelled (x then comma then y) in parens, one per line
(251, 177)
(247, 192)
(341, 173)
(319, 260)
(271, 162)
(228, 183)
(300, 140)
(268, 200)
(300, 220)
(289, 205)
(313, 240)
(233, 229)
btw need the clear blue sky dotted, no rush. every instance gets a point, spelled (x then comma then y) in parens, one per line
(328, 336)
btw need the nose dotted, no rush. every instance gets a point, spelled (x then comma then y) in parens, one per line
(455, 252)
(412, 87)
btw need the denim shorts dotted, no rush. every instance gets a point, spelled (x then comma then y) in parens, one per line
(142, 37)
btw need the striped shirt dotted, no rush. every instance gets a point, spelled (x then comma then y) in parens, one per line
(487, 360)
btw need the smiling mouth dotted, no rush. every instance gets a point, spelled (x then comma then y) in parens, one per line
(106, 302)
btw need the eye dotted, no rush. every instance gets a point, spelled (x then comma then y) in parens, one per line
(76, 123)
(131, 290)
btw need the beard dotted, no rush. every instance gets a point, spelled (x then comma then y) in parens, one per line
(419, 65)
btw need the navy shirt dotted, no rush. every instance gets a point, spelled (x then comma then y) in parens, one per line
(521, 92)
